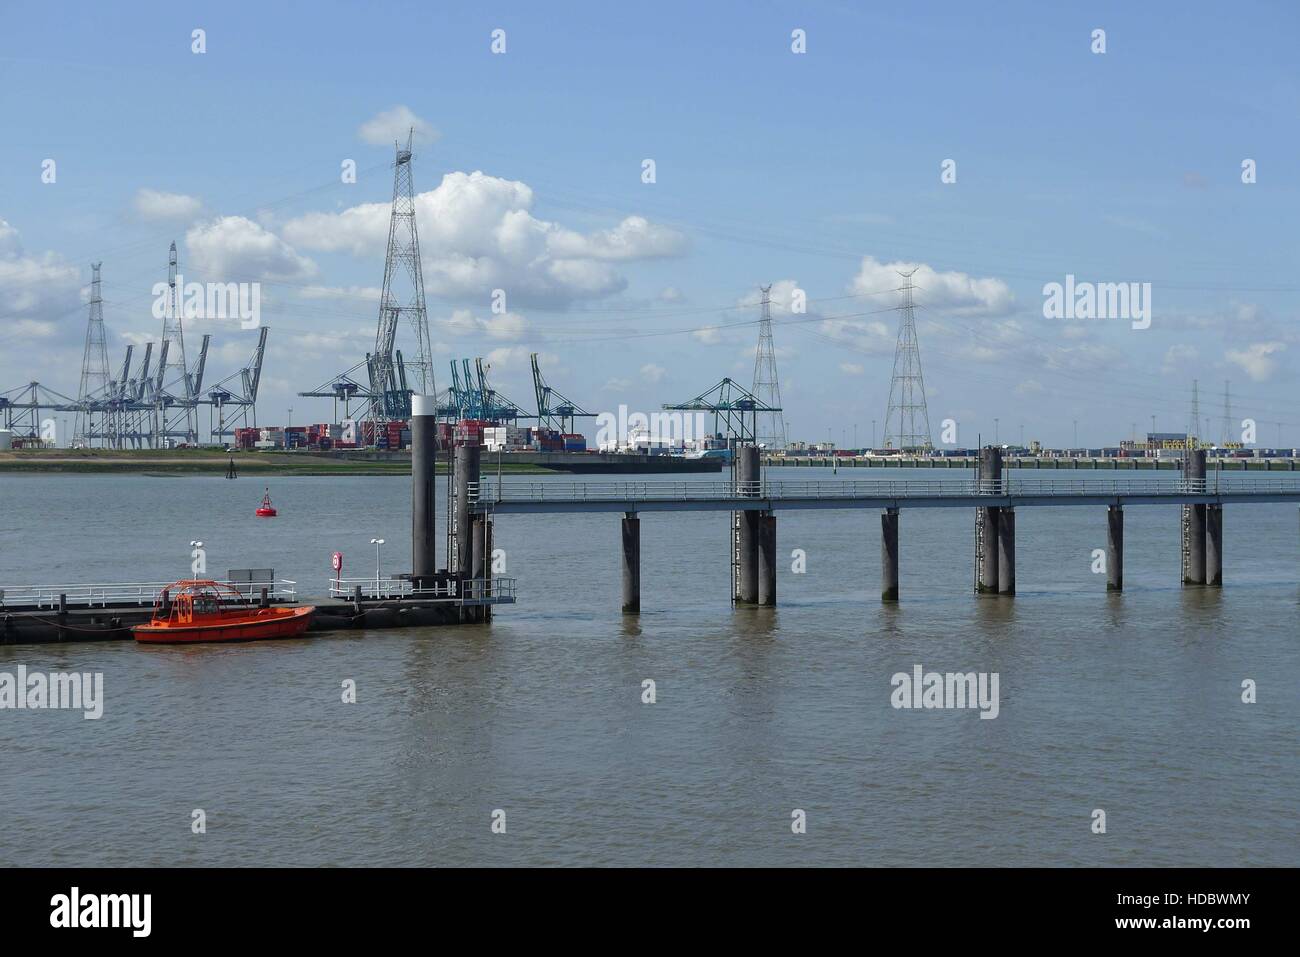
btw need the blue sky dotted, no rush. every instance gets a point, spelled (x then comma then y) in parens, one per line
(814, 170)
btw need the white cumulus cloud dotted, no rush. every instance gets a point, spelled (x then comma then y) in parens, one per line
(955, 293)
(507, 326)
(35, 290)
(1258, 360)
(389, 126)
(156, 206)
(237, 249)
(477, 234)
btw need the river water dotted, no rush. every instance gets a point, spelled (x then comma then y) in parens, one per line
(1131, 703)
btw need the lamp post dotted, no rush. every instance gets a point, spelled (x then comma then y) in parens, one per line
(378, 543)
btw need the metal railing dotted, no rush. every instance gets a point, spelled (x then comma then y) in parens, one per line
(514, 490)
(476, 590)
(102, 595)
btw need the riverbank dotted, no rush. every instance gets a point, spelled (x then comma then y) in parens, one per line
(180, 462)
(177, 462)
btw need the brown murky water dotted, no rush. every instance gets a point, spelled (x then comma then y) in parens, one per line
(1130, 703)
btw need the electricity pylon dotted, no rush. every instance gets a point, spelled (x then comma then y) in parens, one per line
(179, 393)
(1227, 414)
(94, 370)
(387, 377)
(767, 388)
(907, 412)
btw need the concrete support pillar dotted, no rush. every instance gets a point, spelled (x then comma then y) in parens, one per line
(747, 583)
(988, 519)
(747, 483)
(465, 478)
(766, 558)
(1194, 527)
(1194, 469)
(1194, 572)
(990, 470)
(424, 455)
(1214, 545)
(1115, 548)
(479, 556)
(1006, 551)
(631, 564)
(989, 479)
(889, 555)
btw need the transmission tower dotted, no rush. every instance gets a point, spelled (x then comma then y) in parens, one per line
(94, 371)
(770, 431)
(1194, 423)
(394, 302)
(1227, 414)
(179, 390)
(907, 412)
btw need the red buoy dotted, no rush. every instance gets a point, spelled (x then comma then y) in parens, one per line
(266, 509)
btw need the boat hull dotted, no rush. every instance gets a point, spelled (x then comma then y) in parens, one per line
(266, 623)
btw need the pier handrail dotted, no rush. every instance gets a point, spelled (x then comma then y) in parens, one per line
(516, 490)
(477, 590)
(102, 595)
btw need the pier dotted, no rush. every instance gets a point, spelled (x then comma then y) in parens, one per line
(463, 592)
(995, 497)
(1036, 462)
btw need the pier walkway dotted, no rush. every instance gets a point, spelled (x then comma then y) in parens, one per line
(516, 496)
(753, 501)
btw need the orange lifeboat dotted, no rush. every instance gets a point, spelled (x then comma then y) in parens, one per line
(203, 610)
(266, 509)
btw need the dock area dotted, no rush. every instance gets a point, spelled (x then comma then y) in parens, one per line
(107, 612)
(1135, 464)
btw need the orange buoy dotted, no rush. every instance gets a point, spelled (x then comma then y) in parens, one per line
(266, 509)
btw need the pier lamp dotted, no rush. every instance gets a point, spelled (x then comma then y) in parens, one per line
(378, 543)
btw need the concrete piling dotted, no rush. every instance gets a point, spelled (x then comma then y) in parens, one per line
(466, 478)
(631, 564)
(1194, 573)
(747, 485)
(988, 519)
(889, 555)
(1214, 545)
(1194, 531)
(1006, 551)
(989, 478)
(424, 455)
(766, 558)
(1115, 548)
(479, 547)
